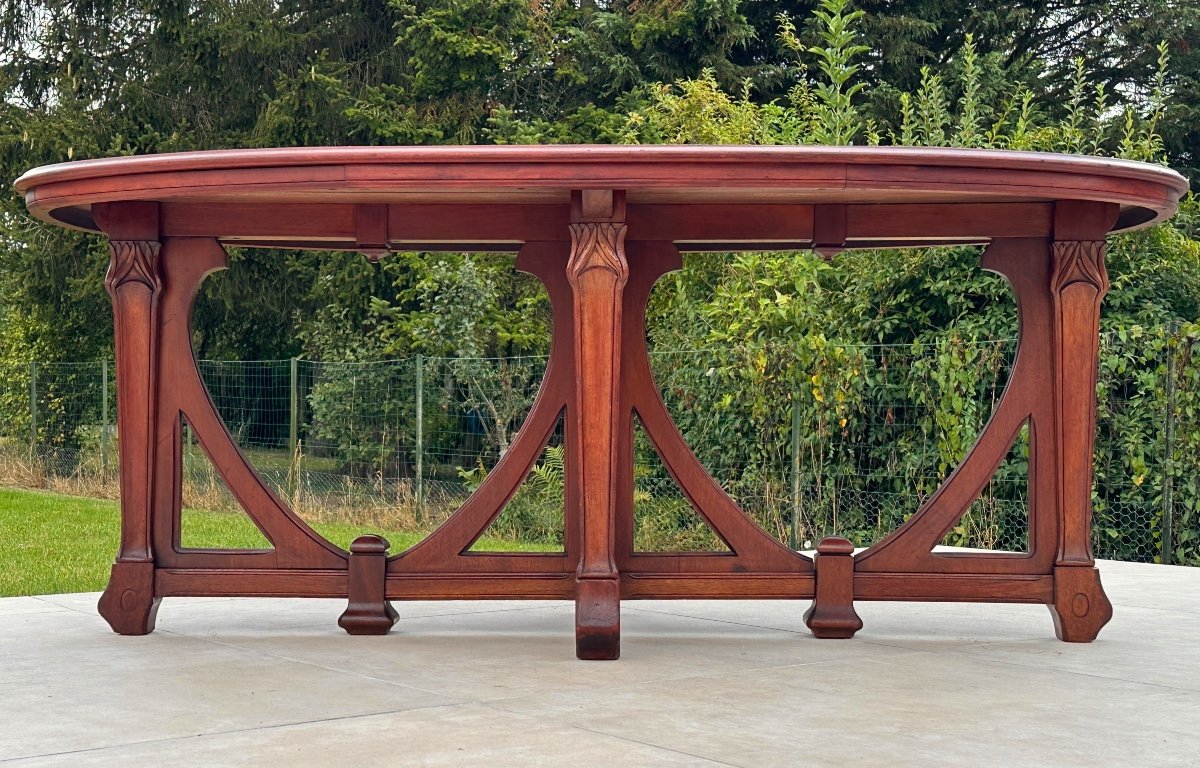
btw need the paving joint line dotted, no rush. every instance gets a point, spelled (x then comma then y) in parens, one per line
(1044, 668)
(498, 703)
(73, 609)
(661, 612)
(617, 736)
(232, 731)
(1188, 611)
(805, 632)
(672, 750)
(314, 665)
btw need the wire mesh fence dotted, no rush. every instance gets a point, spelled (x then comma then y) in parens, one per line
(846, 439)
(854, 444)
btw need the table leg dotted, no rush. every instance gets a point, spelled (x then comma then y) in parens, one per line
(1078, 283)
(134, 282)
(597, 271)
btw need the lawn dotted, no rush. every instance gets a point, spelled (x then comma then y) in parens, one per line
(50, 543)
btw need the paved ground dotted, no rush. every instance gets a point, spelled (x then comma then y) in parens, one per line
(258, 682)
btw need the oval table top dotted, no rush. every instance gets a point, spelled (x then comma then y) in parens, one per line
(673, 175)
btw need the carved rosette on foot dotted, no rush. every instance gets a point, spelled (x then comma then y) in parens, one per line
(597, 271)
(128, 603)
(135, 284)
(1080, 609)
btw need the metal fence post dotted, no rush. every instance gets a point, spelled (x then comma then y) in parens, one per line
(419, 449)
(33, 412)
(104, 421)
(1168, 491)
(293, 405)
(795, 471)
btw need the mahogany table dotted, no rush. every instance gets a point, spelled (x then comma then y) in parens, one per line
(598, 226)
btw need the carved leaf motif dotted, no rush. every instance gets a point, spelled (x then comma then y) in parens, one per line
(133, 261)
(597, 246)
(1080, 261)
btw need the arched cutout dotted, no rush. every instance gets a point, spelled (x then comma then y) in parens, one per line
(810, 435)
(1024, 404)
(533, 519)
(209, 516)
(380, 446)
(664, 519)
(999, 519)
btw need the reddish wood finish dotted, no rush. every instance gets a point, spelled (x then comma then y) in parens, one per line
(129, 603)
(830, 230)
(134, 283)
(831, 614)
(751, 549)
(598, 226)
(181, 394)
(908, 549)
(597, 270)
(1080, 608)
(369, 612)
(371, 229)
(528, 175)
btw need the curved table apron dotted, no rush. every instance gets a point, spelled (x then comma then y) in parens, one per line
(598, 226)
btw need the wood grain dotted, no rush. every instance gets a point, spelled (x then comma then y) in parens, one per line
(135, 285)
(832, 613)
(64, 193)
(368, 612)
(597, 270)
(598, 226)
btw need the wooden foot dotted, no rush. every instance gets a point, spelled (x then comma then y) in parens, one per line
(598, 619)
(368, 612)
(1080, 606)
(831, 614)
(128, 603)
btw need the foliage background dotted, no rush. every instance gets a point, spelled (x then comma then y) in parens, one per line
(88, 79)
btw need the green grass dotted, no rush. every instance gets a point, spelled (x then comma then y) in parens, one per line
(50, 543)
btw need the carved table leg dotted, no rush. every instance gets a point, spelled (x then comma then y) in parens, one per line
(832, 614)
(134, 282)
(1078, 283)
(597, 270)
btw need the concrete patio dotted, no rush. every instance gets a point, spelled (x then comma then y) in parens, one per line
(271, 682)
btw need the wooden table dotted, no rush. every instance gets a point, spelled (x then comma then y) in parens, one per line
(598, 225)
